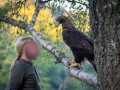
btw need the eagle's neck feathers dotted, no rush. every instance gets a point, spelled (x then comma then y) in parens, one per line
(67, 24)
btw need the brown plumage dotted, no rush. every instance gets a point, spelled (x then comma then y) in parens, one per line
(80, 45)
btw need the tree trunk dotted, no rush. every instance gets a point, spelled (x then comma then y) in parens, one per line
(105, 26)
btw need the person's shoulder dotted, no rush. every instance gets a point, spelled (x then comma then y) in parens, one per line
(18, 65)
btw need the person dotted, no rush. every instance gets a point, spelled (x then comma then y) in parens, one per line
(23, 75)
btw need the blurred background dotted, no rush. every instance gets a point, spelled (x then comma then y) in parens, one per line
(52, 77)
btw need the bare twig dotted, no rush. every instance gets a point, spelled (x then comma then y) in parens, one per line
(47, 1)
(69, 15)
(75, 1)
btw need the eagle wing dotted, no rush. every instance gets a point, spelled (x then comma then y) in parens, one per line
(78, 42)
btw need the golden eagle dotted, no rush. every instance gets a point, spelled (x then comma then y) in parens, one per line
(80, 45)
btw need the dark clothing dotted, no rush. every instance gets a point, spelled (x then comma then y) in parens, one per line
(23, 76)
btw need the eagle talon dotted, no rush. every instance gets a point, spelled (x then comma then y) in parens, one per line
(74, 64)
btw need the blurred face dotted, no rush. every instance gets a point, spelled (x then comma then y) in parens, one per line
(32, 50)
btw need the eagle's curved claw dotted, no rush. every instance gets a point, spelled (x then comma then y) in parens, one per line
(74, 64)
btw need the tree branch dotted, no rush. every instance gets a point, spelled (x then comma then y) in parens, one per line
(89, 79)
(36, 12)
(69, 15)
(75, 1)
(35, 15)
(47, 1)
(13, 22)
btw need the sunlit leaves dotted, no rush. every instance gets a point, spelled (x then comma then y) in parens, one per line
(12, 7)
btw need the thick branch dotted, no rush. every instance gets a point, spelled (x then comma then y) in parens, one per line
(90, 79)
(35, 15)
(36, 12)
(13, 22)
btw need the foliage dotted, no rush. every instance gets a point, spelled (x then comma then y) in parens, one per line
(52, 76)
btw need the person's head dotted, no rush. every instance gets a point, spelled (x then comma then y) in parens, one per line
(27, 46)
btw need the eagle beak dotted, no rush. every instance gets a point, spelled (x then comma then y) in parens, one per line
(57, 23)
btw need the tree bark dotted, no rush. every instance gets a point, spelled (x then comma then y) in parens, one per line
(105, 26)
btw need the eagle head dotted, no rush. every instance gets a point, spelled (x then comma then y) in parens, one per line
(61, 19)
